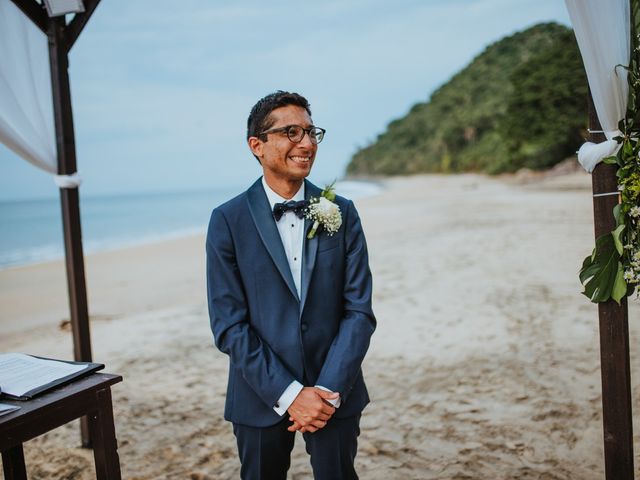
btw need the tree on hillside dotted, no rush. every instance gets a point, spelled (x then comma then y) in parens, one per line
(547, 109)
(519, 103)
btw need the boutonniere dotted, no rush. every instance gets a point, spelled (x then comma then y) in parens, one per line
(323, 211)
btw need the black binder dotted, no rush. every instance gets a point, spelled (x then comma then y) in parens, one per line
(90, 368)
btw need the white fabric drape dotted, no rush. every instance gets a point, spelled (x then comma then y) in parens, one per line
(26, 107)
(602, 29)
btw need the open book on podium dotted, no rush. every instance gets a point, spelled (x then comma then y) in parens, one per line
(24, 376)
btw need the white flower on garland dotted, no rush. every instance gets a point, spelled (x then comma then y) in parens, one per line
(324, 212)
(630, 276)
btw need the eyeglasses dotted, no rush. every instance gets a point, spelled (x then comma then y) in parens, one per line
(295, 133)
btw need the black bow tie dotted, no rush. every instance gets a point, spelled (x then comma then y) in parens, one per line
(296, 207)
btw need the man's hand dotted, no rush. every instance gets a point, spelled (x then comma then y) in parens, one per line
(310, 412)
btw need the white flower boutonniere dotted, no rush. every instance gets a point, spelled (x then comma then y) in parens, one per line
(323, 211)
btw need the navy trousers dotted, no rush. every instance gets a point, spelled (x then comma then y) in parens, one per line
(265, 453)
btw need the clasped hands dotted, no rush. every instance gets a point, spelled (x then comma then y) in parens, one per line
(310, 411)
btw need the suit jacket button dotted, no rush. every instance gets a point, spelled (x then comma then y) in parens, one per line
(304, 327)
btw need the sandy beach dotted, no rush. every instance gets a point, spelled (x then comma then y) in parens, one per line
(485, 363)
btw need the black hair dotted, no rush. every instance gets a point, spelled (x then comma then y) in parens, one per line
(260, 119)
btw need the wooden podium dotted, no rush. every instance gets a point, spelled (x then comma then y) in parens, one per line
(90, 396)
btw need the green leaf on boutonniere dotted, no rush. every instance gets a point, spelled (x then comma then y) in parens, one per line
(600, 271)
(324, 212)
(329, 192)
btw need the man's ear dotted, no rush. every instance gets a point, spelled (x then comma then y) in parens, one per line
(256, 145)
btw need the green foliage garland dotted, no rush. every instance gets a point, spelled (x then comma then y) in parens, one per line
(612, 271)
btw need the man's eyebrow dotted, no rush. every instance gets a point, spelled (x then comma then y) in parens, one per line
(303, 125)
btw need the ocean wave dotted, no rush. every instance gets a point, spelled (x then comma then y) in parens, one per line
(29, 256)
(355, 189)
(49, 253)
(112, 223)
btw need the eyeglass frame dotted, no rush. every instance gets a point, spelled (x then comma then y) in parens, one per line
(306, 131)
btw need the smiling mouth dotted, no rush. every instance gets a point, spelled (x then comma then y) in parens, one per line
(300, 159)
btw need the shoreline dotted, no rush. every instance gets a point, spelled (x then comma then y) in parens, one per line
(53, 250)
(49, 277)
(105, 284)
(124, 245)
(370, 186)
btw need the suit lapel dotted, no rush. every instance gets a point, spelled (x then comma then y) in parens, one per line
(309, 248)
(268, 231)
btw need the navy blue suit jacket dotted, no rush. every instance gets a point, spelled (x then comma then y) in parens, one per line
(273, 337)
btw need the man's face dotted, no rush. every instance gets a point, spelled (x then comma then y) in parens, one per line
(282, 159)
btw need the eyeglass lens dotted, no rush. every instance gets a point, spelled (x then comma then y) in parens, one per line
(296, 134)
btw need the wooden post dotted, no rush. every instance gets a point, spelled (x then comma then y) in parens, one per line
(70, 201)
(65, 142)
(61, 38)
(614, 334)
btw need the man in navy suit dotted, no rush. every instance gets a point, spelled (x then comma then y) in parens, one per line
(293, 314)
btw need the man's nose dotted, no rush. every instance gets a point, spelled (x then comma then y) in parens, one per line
(306, 140)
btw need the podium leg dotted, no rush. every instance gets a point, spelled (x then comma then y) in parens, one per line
(13, 464)
(103, 435)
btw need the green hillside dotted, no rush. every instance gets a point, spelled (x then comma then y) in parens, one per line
(520, 103)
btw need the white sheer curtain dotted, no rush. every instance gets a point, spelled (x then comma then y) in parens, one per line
(26, 108)
(602, 29)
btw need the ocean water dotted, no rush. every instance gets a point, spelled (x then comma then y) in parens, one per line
(31, 230)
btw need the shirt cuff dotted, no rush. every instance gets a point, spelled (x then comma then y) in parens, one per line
(287, 398)
(336, 402)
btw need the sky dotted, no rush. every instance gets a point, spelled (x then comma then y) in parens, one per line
(161, 90)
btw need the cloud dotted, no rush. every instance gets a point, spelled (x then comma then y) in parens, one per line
(161, 89)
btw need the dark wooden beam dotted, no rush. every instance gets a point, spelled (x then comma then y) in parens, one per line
(35, 11)
(614, 334)
(65, 142)
(61, 38)
(75, 27)
(70, 201)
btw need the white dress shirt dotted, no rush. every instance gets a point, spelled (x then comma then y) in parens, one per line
(291, 230)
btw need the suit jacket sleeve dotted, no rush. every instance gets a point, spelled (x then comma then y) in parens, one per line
(344, 358)
(228, 312)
